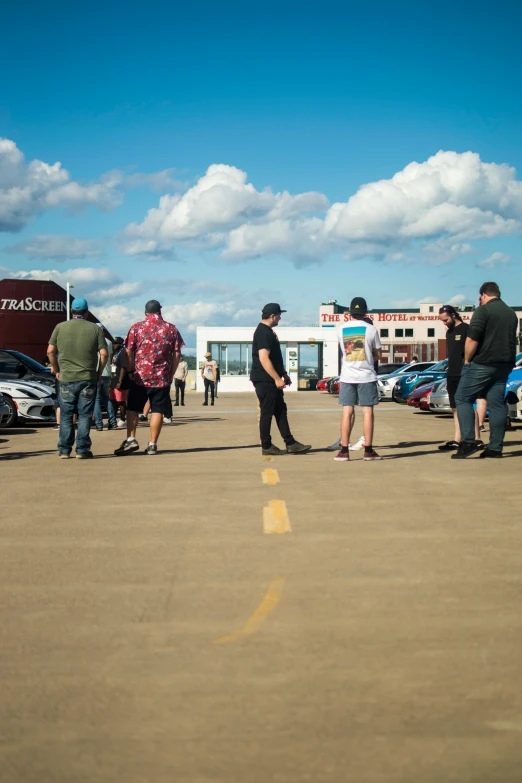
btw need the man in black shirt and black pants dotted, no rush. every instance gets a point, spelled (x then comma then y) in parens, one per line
(269, 377)
(455, 342)
(489, 357)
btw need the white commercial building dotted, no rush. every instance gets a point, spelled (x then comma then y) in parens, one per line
(312, 352)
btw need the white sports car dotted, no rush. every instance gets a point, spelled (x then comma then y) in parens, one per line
(27, 401)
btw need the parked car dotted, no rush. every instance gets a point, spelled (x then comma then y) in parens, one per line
(16, 366)
(386, 383)
(412, 380)
(322, 385)
(420, 398)
(335, 385)
(514, 400)
(4, 407)
(387, 369)
(439, 398)
(27, 402)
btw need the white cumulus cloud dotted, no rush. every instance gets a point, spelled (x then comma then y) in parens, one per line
(29, 189)
(434, 209)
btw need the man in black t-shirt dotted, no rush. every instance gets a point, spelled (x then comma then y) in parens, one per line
(269, 377)
(489, 357)
(455, 342)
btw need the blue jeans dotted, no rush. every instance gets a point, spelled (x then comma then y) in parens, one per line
(77, 397)
(489, 381)
(102, 396)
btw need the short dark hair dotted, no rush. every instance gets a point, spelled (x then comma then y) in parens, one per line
(490, 289)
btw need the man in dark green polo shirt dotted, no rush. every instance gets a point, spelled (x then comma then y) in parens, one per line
(78, 343)
(489, 357)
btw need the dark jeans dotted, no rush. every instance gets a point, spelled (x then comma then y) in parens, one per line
(102, 396)
(272, 404)
(209, 385)
(483, 380)
(180, 387)
(78, 397)
(169, 412)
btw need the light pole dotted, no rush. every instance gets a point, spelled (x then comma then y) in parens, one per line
(69, 286)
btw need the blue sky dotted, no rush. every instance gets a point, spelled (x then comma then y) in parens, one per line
(318, 100)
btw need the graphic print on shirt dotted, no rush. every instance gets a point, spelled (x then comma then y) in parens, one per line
(353, 340)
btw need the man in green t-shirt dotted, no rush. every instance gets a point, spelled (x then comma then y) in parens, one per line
(78, 343)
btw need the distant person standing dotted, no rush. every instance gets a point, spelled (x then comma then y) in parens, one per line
(119, 381)
(218, 378)
(456, 334)
(361, 348)
(103, 393)
(209, 375)
(269, 377)
(153, 349)
(489, 357)
(78, 342)
(180, 381)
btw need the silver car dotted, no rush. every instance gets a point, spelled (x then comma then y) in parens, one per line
(439, 398)
(386, 383)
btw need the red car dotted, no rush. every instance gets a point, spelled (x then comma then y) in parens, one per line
(335, 385)
(322, 385)
(420, 398)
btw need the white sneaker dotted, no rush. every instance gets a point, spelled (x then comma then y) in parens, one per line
(359, 445)
(120, 424)
(167, 420)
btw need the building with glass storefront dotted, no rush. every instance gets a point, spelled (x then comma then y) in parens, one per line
(310, 353)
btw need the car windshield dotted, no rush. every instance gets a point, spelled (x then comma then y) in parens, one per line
(439, 367)
(31, 363)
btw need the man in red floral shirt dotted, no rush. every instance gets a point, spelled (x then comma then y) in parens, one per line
(153, 353)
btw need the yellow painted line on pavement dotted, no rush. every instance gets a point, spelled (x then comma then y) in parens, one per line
(275, 518)
(254, 623)
(270, 476)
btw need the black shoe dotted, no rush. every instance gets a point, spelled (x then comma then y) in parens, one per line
(183, 404)
(491, 453)
(151, 449)
(467, 449)
(127, 447)
(212, 403)
(297, 448)
(85, 455)
(112, 427)
(451, 445)
(176, 404)
(99, 429)
(205, 403)
(273, 451)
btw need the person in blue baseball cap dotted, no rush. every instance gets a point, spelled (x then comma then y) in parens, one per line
(83, 356)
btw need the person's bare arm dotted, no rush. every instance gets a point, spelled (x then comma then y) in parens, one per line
(470, 349)
(104, 355)
(266, 364)
(175, 361)
(377, 354)
(52, 353)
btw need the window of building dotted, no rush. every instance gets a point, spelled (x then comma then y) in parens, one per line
(385, 332)
(408, 333)
(431, 332)
(431, 308)
(235, 358)
(399, 333)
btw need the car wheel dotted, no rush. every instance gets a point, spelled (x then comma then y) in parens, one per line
(395, 392)
(9, 420)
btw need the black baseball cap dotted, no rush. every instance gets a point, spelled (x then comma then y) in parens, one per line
(272, 308)
(153, 306)
(358, 306)
(118, 341)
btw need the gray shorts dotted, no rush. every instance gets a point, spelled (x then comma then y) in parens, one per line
(365, 394)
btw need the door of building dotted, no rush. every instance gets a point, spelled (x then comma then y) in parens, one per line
(310, 365)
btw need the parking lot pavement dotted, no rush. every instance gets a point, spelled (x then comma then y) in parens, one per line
(152, 631)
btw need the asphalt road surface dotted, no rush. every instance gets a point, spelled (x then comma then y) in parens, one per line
(210, 616)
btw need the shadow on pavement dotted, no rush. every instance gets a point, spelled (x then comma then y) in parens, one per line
(18, 431)
(404, 444)
(175, 451)
(24, 454)
(413, 454)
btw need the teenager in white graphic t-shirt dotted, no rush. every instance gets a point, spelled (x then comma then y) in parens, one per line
(361, 348)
